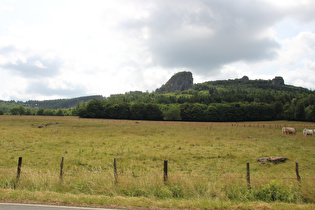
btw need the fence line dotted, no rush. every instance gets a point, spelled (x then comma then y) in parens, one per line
(165, 173)
(239, 124)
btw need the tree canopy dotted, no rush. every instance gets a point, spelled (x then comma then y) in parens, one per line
(222, 100)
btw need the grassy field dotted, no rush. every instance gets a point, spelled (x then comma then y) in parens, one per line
(206, 163)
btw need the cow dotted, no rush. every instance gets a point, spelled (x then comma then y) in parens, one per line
(308, 132)
(288, 130)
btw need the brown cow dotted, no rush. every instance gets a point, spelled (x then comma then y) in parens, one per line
(288, 130)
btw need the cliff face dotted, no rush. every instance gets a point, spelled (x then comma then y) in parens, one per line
(180, 81)
(278, 81)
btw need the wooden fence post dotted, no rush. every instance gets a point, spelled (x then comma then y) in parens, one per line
(19, 169)
(297, 171)
(248, 176)
(61, 169)
(165, 171)
(115, 171)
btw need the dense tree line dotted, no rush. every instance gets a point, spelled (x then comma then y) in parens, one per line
(5, 106)
(218, 112)
(43, 112)
(58, 107)
(226, 100)
(97, 108)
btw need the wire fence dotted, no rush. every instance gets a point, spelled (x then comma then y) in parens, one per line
(246, 173)
(254, 124)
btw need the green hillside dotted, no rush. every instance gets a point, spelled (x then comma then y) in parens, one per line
(221, 100)
(30, 107)
(61, 103)
(223, 91)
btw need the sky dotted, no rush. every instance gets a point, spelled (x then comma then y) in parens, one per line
(57, 49)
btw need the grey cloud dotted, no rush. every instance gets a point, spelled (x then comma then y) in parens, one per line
(41, 88)
(304, 12)
(204, 35)
(7, 49)
(210, 53)
(33, 66)
(36, 66)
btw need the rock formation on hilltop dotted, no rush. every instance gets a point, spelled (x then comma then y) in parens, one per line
(245, 79)
(278, 81)
(180, 81)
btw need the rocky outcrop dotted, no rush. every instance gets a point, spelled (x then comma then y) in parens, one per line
(274, 160)
(245, 79)
(278, 81)
(180, 81)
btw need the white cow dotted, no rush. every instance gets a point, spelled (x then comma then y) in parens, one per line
(308, 132)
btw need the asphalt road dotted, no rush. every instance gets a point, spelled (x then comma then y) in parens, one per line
(16, 206)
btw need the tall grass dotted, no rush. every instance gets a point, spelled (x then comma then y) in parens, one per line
(205, 163)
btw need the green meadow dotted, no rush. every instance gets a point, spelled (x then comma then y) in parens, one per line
(206, 163)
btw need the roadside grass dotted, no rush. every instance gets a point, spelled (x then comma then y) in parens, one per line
(207, 164)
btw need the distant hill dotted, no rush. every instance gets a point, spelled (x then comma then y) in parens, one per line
(213, 101)
(245, 85)
(220, 91)
(289, 102)
(61, 103)
(5, 106)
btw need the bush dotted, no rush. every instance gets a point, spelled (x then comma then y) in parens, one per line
(273, 192)
(48, 112)
(40, 111)
(172, 113)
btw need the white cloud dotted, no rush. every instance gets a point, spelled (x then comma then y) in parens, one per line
(29, 65)
(115, 46)
(296, 48)
(301, 77)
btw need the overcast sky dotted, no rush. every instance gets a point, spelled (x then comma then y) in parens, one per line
(70, 48)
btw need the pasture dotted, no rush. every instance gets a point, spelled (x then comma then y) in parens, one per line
(206, 163)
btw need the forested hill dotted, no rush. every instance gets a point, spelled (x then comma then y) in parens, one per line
(6, 106)
(61, 103)
(222, 100)
(225, 100)
(224, 91)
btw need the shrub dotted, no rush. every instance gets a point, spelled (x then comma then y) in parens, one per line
(273, 192)
(172, 113)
